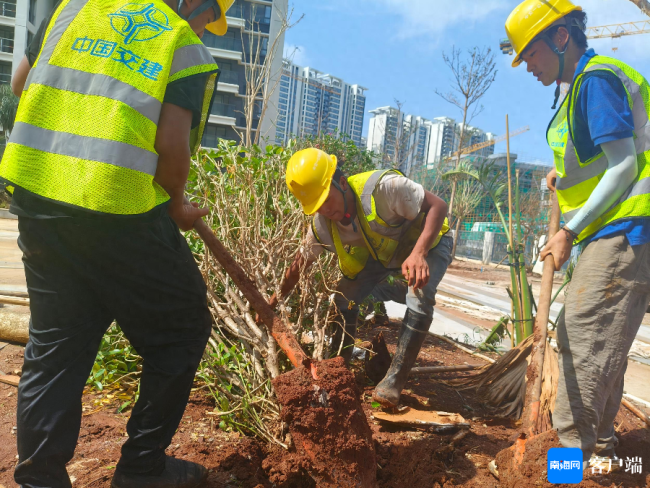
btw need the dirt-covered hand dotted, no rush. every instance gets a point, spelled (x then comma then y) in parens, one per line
(551, 177)
(186, 214)
(560, 247)
(416, 270)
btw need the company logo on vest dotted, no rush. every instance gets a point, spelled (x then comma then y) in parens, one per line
(139, 22)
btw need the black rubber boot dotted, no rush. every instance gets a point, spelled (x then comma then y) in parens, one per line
(350, 325)
(411, 336)
(177, 474)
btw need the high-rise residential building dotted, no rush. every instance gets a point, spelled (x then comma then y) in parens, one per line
(312, 103)
(251, 23)
(409, 141)
(18, 25)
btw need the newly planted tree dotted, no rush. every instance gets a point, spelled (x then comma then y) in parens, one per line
(473, 74)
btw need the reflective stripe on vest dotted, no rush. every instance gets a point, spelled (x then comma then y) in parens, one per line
(86, 124)
(388, 244)
(576, 179)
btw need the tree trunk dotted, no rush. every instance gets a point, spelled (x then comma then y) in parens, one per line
(459, 220)
(644, 6)
(451, 201)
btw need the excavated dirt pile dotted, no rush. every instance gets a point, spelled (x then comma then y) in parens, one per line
(331, 440)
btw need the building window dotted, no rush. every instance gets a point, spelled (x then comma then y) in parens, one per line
(32, 11)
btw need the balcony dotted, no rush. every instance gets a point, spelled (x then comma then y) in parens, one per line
(7, 9)
(225, 43)
(6, 45)
(223, 109)
(5, 78)
(235, 12)
(230, 77)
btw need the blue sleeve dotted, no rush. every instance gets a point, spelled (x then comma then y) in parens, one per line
(603, 103)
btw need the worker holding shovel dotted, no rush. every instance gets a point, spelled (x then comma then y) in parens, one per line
(378, 223)
(114, 98)
(600, 137)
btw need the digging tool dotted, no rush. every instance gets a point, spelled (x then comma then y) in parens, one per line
(512, 458)
(536, 366)
(320, 401)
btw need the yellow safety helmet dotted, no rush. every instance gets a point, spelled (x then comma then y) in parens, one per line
(309, 176)
(531, 18)
(220, 26)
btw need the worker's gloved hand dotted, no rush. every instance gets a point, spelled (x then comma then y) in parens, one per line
(416, 270)
(550, 179)
(185, 214)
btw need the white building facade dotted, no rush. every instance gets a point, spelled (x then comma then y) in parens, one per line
(413, 141)
(311, 102)
(249, 22)
(19, 22)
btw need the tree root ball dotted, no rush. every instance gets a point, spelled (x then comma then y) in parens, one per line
(332, 441)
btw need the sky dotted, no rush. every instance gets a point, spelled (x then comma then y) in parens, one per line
(394, 49)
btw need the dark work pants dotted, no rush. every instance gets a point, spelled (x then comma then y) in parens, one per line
(82, 275)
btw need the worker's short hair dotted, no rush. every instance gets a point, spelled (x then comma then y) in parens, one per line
(578, 22)
(337, 175)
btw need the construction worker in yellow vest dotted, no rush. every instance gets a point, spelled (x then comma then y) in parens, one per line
(114, 96)
(378, 223)
(600, 137)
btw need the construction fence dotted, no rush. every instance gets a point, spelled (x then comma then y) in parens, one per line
(491, 247)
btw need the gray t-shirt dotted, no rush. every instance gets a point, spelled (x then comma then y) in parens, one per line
(397, 199)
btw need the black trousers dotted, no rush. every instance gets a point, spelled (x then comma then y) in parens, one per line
(82, 275)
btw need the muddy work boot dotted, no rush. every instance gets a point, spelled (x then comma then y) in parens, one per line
(177, 474)
(411, 336)
(350, 326)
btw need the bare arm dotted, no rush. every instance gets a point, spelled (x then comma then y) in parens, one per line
(20, 77)
(173, 148)
(415, 267)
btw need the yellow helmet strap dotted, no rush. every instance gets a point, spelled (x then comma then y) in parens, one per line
(200, 9)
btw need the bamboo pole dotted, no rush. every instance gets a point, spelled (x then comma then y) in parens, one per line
(513, 274)
(636, 411)
(444, 369)
(526, 298)
(14, 327)
(536, 366)
(14, 301)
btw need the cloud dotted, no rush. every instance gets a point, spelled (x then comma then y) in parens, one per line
(433, 17)
(297, 54)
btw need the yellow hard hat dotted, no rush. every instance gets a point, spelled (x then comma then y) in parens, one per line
(309, 176)
(220, 26)
(531, 18)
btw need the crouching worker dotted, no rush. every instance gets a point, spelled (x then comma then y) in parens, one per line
(379, 223)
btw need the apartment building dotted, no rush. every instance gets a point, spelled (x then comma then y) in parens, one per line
(19, 22)
(311, 102)
(410, 141)
(253, 25)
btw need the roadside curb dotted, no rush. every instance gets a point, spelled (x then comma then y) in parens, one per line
(4, 214)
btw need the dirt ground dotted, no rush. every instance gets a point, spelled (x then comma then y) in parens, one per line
(405, 457)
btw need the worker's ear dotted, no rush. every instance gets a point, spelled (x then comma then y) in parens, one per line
(560, 37)
(344, 183)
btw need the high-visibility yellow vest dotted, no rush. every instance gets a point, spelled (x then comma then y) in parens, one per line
(86, 123)
(577, 179)
(388, 244)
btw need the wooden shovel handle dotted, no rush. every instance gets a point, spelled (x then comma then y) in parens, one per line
(285, 339)
(536, 366)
